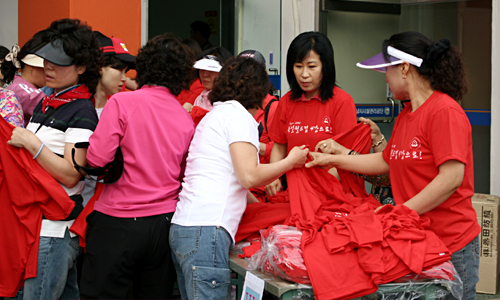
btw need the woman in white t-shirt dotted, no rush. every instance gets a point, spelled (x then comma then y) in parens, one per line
(221, 165)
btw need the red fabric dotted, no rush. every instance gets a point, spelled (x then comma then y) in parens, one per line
(282, 256)
(260, 118)
(341, 232)
(81, 92)
(248, 251)
(26, 192)
(414, 153)
(79, 227)
(190, 95)
(260, 216)
(300, 122)
(197, 113)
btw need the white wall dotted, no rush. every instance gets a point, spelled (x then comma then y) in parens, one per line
(495, 101)
(297, 16)
(356, 37)
(258, 28)
(8, 23)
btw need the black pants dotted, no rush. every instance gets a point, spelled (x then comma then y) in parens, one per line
(127, 251)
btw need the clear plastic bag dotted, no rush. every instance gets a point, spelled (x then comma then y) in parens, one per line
(280, 254)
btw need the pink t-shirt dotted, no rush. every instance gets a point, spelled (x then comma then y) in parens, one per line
(28, 95)
(154, 132)
(203, 102)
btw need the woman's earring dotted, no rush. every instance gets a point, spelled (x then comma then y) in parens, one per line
(404, 76)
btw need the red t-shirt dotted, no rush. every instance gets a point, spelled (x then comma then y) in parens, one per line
(26, 192)
(438, 131)
(306, 122)
(260, 117)
(190, 95)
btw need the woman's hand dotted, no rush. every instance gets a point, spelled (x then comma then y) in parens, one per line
(375, 134)
(273, 188)
(23, 138)
(322, 160)
(331, 147)
(188, 107)
(298, 156)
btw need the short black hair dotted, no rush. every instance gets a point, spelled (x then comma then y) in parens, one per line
(8, 69)
(80, 44)
(202, 27)
(299, 49)
(115, 63)
(165, 61)
(242, 79)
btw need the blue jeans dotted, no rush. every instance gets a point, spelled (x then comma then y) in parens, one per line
(201, 259)
(56, 276)
(466, 262)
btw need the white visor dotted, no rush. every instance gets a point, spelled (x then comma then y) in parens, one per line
(379, 62)
(208, 63)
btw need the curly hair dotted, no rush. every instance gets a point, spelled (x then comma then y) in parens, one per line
(81, 45)
(442, 65)
(299, 49)
(165, 61)
(8, 69)
(242, 79)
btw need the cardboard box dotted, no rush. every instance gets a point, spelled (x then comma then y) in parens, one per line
(488, 210)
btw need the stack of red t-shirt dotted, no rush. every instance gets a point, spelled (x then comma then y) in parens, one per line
(347, 247)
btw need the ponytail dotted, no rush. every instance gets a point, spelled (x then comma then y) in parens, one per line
(442, 63)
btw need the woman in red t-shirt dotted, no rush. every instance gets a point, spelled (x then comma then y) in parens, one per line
(429, 154)
(314, 109)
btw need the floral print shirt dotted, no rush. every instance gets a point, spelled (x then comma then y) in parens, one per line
(10, 108)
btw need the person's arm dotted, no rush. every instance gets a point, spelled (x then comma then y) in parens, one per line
(370, 164)
(448, 180)
(252, 174)
(131, 84)
(277, 154)
(61, 169)
(251, 198)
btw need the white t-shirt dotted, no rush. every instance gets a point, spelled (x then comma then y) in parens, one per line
(211, 194)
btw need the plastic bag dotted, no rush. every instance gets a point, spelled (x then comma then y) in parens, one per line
(280, 254)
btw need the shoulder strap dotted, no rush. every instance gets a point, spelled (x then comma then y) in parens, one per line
(266, 111)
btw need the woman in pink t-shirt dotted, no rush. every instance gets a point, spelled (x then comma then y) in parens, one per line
(25, 74)
(429, 154)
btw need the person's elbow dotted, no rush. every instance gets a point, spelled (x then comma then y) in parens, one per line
(70, 181)
(454, 174)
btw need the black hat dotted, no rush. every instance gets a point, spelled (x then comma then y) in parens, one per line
(53, 52)
(253, 54)
(116, 47)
